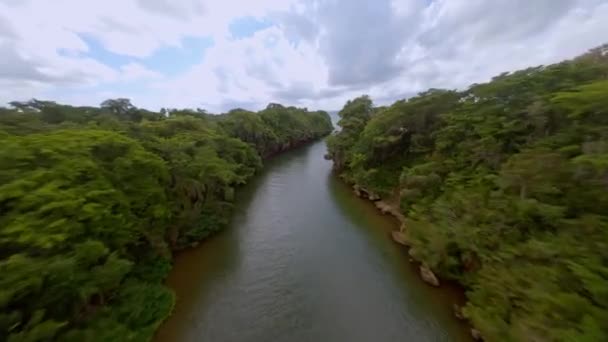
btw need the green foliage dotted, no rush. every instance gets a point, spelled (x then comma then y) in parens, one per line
(505, 189)
(251, 128)
(276, 128)
(94, 200)
(353, 117)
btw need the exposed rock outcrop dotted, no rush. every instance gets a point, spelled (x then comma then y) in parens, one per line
(410, 252)
(364, 193)
(373, 197)
(399, 237)
(386, 208)
(428, 275)
(458, 312)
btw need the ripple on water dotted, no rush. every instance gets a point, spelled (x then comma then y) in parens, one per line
(304, 260)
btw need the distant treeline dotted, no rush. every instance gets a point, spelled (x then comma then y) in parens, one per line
(94, 200)
(505, 189)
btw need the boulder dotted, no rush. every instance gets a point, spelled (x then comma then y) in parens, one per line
(428, 275)
(399, 237)
(476, 334)
(384, 207)
(458, 312)
(373, 196)
(411, 253)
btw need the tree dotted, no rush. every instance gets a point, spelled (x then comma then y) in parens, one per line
(120, 106)
(504, 186)
(94, 200)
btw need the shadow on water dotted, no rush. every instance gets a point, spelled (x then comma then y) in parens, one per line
(376, 227)
(305, 260)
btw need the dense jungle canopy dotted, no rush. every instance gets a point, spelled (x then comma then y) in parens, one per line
(93, 202)
(505, 189)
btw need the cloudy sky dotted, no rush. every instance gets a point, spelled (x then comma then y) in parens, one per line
(220, 54)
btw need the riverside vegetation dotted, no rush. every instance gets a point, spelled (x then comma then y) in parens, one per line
(504, 187)
(93, 202)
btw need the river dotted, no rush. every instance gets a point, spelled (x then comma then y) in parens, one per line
(305, 260)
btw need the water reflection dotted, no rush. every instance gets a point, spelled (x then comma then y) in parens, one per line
(304, 260)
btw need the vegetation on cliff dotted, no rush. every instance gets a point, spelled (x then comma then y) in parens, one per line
(94, 200)
(505, 189)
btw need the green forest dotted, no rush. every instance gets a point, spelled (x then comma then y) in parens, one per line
(504, 187)
(95, 200)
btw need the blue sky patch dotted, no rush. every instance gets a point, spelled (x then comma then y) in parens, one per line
(167, 60)
(244, 27)
(175, 60)
(99, 53)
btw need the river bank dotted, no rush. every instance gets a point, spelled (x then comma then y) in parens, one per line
(399, 236)
(304, 259)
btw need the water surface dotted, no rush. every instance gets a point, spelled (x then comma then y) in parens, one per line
(305, 260)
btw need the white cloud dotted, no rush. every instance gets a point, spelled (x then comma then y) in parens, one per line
(45, 36)
(249, 71)
(135, 71)
(318, 53)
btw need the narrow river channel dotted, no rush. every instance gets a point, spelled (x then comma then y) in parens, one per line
(305, 260)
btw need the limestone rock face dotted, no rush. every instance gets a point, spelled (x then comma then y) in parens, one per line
(411, 253)
(383, 207)
(458, 312)
(428, 275)
(373, 197)
(399, 237)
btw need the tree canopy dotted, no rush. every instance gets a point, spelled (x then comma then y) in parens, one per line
(94, 200)
(505, 189)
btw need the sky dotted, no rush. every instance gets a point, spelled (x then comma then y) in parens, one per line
(224, 54)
